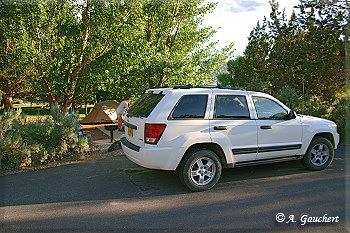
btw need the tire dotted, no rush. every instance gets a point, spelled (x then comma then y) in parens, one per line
(201, 170)
(319, 154)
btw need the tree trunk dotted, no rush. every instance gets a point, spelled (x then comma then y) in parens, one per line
(150, 81)
(7, 100)
(66, 107)
(161, 80)
(86, 108)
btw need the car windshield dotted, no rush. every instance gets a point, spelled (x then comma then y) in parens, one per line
(145, 104)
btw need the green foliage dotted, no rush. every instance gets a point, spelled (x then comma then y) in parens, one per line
(226, 80)
(339, 113)
(67, 50)
(41, 141)
(289, 96)
(11, 145)
(308, 104)
(16, 66)
(314, 106)
(337, 110)
(305, 52)
(300, 60)
(166, 47)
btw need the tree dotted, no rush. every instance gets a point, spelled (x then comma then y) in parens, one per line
(251, 71)
(302, 51)
(16, 67)
(64, 39)
(167, 48)
(79, 47)
(324, 60)
(234, 71)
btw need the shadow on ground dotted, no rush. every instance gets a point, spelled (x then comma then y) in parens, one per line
(115, 177)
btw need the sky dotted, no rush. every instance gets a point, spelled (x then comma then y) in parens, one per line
(235, 19)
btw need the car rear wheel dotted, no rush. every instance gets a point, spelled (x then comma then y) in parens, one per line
(201, 170)
(319, 154)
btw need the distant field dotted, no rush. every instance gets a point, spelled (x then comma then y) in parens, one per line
(40, 111)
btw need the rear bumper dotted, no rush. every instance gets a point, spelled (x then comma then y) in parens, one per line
(163, 158)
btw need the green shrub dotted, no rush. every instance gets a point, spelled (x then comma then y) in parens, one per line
(258, 85)
(48, 139)
(313, 106)
(11, 143)
(339, 113)
(289, 97)
(308, 105)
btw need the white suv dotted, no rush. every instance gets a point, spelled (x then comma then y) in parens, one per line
(199, 130)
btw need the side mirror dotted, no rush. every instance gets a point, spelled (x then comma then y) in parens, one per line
(291, 115)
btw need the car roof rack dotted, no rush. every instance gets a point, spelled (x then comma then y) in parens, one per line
(188, 86)
(222, 87)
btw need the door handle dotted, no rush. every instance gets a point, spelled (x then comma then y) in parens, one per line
(220, 127)
(265, 127)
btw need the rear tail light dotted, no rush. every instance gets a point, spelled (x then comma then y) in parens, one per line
(153, 132)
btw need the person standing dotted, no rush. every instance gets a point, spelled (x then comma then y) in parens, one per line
(121, 111)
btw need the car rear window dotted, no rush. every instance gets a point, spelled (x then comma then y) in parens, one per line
(145, 104)
(190, 107)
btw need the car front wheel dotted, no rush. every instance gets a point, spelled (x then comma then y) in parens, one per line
(319, 154)
(201, 170)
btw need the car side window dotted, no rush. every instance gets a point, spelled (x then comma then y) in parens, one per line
(231, 107)
(269, 109)
(190, 107)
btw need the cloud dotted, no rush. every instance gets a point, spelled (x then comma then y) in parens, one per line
(240, 6)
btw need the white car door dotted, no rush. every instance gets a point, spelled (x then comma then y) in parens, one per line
(278, 136)
(232, 127)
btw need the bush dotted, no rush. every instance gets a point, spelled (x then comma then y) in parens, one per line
(339, 113)
(308, 105)
(11, 143)
(289, 97)
(312, 105)
(45, 140)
